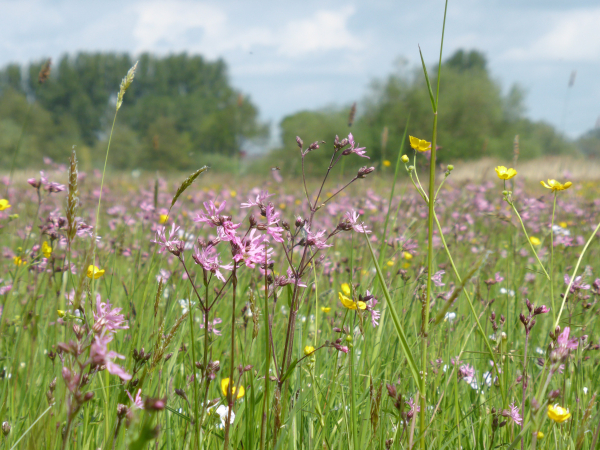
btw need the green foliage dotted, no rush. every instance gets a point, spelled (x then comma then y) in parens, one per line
(476, 118)
(179, 107)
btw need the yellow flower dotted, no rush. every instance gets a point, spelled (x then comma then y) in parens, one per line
(558, 413)
(407, 256)
(419, 144)
(504, 173)
(94, 272)
(346, 289)
(540, 435)
(386, 163)
(390, 263)
(554, 185)
(4, 204)
(534, 240)
(225, 385)
(350, 304)
(563, 224)
(406, 265)
(233, 193)
(298, 202)
(282, 206)
(308, 350)
(46, 249)
(325, 309)
(163, 218)
(18, 261)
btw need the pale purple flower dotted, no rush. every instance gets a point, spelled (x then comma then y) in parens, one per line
(272, 221)
(340, 348)
(498, 278)
(577, 284)
(211, 325)
(4, 289)
(413, 408)
(208, 258)
(360, 151)
(54, 187)
(352, 220)
(563, 340)
(513, 414)
(260, 198)
(251, 250)
(100, 356)
(371, 301)
(168, 243)
(466, 372)
(437, 278)
(212, 216)
(316, 239)
(137, 402)
(107, 318)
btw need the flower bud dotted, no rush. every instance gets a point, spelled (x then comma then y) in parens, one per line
(404, 159)
(364, 171)
(5, 428)
(299, 142)
(121, 410)
(450, 167)
(88, 396)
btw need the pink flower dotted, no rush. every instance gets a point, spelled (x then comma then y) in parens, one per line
(170, 243)
(316, 239)
(413, 406)
(272, 221)
(208, 258)
(211, 325)
(137, 401)
(371, 302)
(563, 340)
(466, 372)
(211, 217)
(260, 198)
(107, 318)
(100, 356)
(437, 278)
(577, 284)
(250, 250)
(352, 220)
(513, 413)
(357, 151)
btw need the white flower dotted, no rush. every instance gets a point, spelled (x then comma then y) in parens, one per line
(222, 412)
(487, 378)
(185, 305)
(449, 317)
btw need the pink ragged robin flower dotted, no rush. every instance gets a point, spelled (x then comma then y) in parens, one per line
(100, 356)
(208, 259)
(107, 318)
(137, 402)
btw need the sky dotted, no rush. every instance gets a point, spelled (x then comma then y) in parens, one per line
(291, 56)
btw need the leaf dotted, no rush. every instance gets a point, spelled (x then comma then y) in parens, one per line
(186, 184)
(290, 370)
(433, 105)
(396, 320)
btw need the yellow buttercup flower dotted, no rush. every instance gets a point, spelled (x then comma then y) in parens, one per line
(233, 193)
(4, 204)
(346, 289)
(163, 218)
(308, 350)
(94, 272)
(325, 309)
(387, 163)
(558, 413)
(407, 256)
(540, 435)
(18, 261)
(554, 185)
(390, 263)
(563, 224)
(504, 173)
(46, 249)
(534, 240)
(420, 145)
(350, 304)
(225, 386)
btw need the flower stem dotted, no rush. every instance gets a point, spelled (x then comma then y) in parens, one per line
(552, 258)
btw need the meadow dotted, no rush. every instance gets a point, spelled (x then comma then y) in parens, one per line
(333, 310)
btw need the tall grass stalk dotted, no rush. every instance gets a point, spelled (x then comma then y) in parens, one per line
(430, 221)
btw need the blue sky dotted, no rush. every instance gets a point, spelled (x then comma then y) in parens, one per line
(290, 56)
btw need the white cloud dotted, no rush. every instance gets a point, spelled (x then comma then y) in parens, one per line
(326, 30)
(573, 36)
(201, 27)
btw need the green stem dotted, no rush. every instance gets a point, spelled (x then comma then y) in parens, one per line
(528, 239)
(552, 258)
(353, 420)
(196, 423)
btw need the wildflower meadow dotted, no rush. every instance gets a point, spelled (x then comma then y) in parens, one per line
(391, 307)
